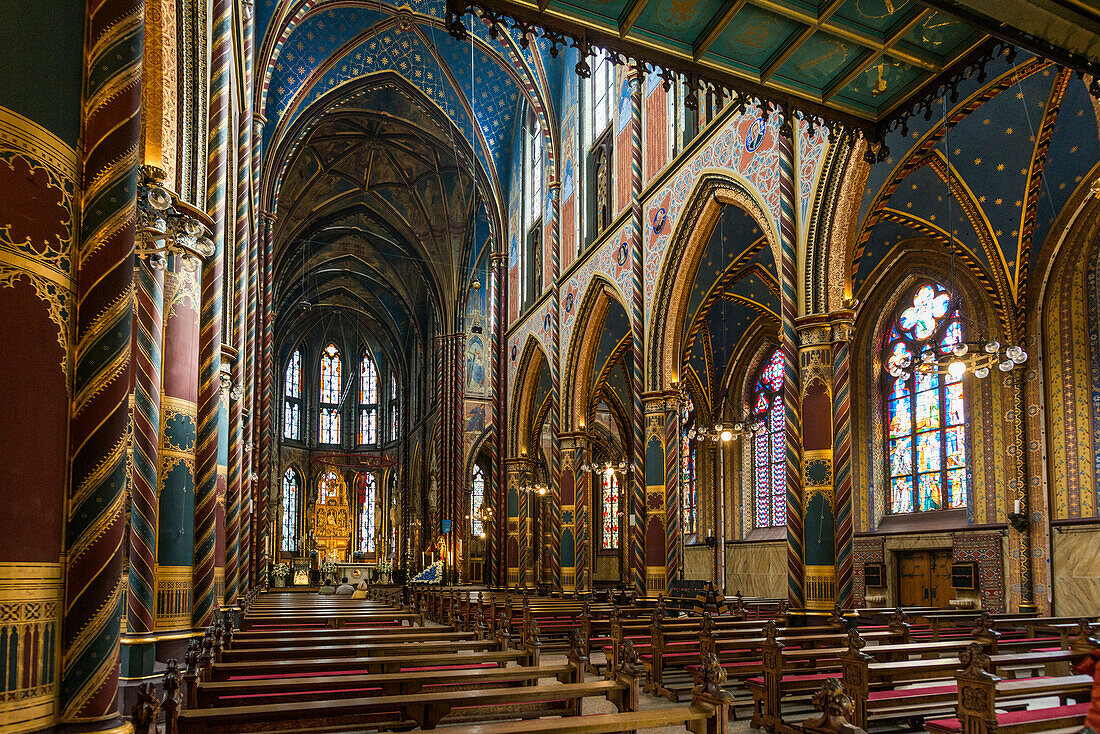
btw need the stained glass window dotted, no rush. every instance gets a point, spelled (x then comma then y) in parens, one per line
(328, 487)
(393, 407)
(330, 395)
(609, 506)
(366, 515)
(602, 92)
(368, 401)
(477, 498)
(688, 496)
(292, 397)
(769, 446)
(289, 530)
(925, 411)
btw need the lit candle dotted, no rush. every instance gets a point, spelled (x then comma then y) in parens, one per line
(1017, 507)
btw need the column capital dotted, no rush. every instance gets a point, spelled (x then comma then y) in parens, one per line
(843, 323)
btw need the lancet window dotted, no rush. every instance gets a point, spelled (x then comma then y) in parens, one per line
(330, 379)
(769, 446)
(925, 411)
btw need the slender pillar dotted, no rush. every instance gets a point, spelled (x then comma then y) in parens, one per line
(657, 406)
(674, 536)
(842, 322)
(582, 523)
(267, 388)
(140, 598)
(555, 512)
(789, 341)
(99, 419)
(636, 493)
(819, 526)
(571, 457)
(210, 326)
(496, 533)
(720, 518)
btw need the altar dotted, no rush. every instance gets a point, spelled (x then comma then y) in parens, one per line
(356, 572)
(332, 518)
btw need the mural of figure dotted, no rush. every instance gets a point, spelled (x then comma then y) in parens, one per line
(475, 365)
(476, 421)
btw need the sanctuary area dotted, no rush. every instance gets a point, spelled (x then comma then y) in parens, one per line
(549, 366)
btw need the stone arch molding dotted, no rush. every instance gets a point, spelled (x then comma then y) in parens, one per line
(581, 350)
(685, 250)
(531, 361)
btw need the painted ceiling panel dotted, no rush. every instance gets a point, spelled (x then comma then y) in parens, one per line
(817, 62)
(879, 17)
(1074, 151)
(677, 20)
(939, 35)
(752, 39)
(615, 328)
(884, 82)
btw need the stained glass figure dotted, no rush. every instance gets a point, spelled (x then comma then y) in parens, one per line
(477, 498)
(288, 537)
(368, 425)
(769, 446)
(329, 413)
(609, 506)
(688, 496)
(366, 514)
(925, 413)
(328, 487)
(368, 401)
(292, 397)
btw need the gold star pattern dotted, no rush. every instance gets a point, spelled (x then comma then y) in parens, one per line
(977, 161)
(1000, 166)
(998, 201)
(1008, 131)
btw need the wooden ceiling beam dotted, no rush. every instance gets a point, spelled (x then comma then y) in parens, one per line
(628, 17)
(868, 59)
(804, 35)
(714, 28)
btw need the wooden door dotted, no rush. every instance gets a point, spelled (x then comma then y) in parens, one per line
(924, 578)
(939, 569)
(913, 579)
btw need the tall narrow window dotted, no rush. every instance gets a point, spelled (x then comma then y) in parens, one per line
(532, 211)
(292, 397)
(609, 506)
(366, 515)
(688, 495)
(330, 395)
(393, 408)
(600, 99)
(288, 540)
(368, 401)
(925, 411)
(769, 446)
(477, 499)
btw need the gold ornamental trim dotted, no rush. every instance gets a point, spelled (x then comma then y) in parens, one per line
(27, 136)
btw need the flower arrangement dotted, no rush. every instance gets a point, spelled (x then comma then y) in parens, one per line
(385, 566)
(280, 571)
(328, 568)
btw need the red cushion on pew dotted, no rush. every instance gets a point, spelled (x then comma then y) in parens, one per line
(1022, 717)
(450, 667)
(912, 692)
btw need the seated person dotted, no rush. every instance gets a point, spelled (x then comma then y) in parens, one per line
(328, 587)
(360, 590)
(345, 589)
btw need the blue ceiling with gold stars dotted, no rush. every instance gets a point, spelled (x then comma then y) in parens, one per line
(1022, 143)
(330, 47)
(735, 286)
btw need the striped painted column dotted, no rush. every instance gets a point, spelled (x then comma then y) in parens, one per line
(210, 325)
(582, 498)
(99, 419)
(140, 594)
(815, 358)
(235, 564)
(788, 246)
(636, 496)
(673, 535)
(495, 533)
(267, 388)
(842, 322)
(555, 386)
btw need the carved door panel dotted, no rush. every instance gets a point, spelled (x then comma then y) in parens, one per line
(913, 579)
(940, 578)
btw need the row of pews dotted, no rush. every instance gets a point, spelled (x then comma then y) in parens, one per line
(946, 670)
(485, 662)
(303, 663)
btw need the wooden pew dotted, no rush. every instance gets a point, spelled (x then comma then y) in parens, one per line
(979, 692)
